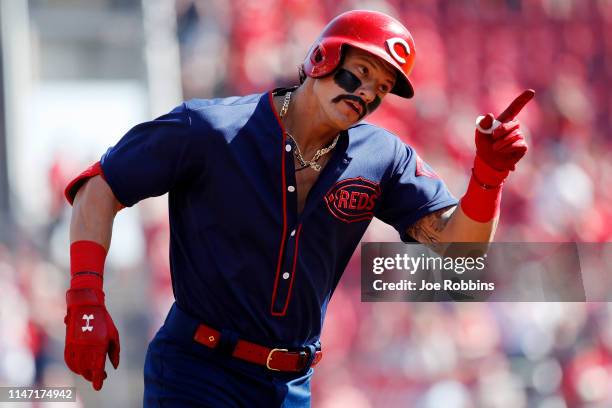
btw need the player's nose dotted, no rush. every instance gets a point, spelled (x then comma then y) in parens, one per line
(367, 93)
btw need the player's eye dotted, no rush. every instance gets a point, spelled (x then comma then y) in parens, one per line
(383, 88)
(363, 70)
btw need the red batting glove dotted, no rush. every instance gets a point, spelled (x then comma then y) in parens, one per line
(500, 144)
(90, 331)
(90, 335)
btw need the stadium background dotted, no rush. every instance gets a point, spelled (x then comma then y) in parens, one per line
(77, 75)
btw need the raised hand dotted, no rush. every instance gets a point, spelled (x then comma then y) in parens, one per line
(500, 142)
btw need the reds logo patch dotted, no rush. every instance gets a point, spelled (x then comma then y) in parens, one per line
(353, 199)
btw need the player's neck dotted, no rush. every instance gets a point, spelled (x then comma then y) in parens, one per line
(305, 122)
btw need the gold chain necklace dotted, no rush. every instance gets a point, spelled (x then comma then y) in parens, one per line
(312, 163)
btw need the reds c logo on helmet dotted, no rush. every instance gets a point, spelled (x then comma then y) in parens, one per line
(370, 31)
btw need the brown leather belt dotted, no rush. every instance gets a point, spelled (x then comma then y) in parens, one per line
(275, 359)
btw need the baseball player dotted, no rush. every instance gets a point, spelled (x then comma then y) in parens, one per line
(269, 195)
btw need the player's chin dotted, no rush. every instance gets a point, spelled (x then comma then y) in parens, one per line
(347, 123)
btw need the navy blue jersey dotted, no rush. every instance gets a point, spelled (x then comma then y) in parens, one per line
(241, 256)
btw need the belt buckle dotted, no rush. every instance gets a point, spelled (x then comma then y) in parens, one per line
(270, 358)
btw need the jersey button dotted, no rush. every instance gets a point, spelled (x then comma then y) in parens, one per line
(291, 189)
(288, 147)
(293, 233)
(286, 275)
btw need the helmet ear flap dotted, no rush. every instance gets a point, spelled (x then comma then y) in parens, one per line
(322, 59)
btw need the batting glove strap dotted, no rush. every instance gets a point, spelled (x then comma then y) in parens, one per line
(84, 297)
(487, 176)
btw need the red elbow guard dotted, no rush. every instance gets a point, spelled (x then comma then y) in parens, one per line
(73, 187)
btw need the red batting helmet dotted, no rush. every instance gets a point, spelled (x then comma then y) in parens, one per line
(370, 31)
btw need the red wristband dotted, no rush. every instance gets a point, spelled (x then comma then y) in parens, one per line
(483, 196)
(86, 264)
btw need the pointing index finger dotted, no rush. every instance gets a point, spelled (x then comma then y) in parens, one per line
(515, 107)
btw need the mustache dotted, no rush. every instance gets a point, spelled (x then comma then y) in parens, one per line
(364, 107)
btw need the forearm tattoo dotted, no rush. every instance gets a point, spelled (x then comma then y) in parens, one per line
(428, 229)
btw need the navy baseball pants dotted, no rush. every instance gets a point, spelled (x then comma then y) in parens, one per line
(180, 372)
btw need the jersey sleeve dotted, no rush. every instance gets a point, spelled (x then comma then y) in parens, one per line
(154, 157)
(412, 191)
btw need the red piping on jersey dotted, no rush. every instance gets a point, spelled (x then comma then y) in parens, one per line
(295, 256)
(284, 194)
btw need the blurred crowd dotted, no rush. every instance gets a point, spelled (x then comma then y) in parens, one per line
(473, 57)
